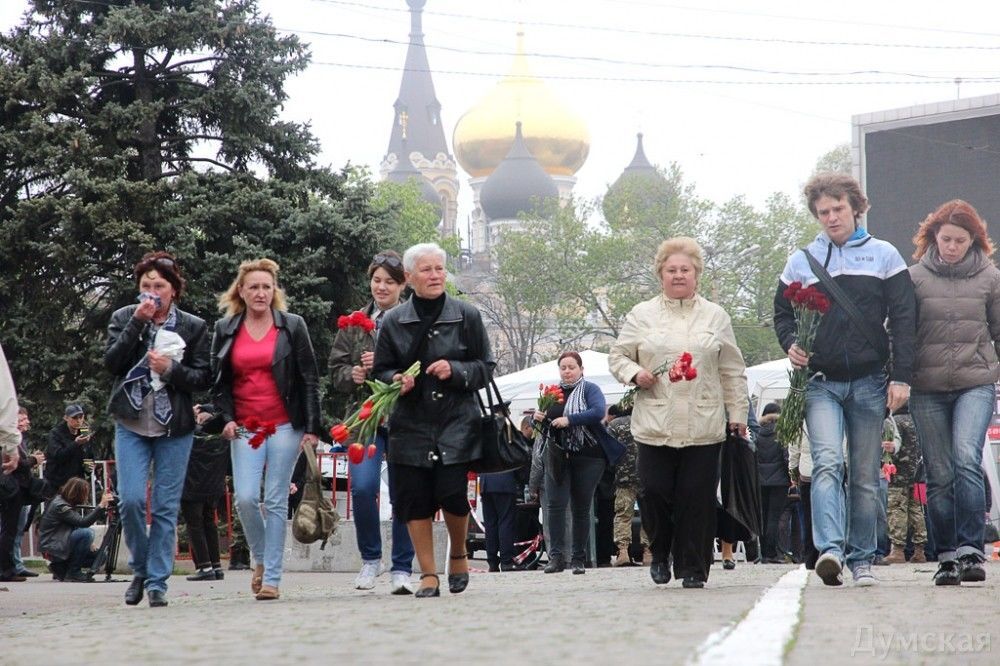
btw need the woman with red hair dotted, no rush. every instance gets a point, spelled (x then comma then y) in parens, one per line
(954, 379)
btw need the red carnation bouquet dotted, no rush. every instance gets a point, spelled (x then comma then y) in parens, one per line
(682, 369)
(257, 430)
(369, 416)
(888, 434)
(809, 304)
(356, 319)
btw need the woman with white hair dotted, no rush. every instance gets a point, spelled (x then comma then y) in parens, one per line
(434, 430)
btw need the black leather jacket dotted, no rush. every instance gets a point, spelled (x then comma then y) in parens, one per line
(58, 523)
(436, 418)
(126, 346)
(294, 369)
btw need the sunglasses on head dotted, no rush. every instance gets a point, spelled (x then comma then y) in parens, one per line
(159, 262)
(386, 260)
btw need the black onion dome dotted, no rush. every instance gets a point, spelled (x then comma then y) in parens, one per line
(518, 185)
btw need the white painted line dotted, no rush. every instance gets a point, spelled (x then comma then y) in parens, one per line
(761, 637)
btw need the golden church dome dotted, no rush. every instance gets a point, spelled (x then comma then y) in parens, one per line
(556, 136)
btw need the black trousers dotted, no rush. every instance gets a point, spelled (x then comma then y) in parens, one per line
(499, 516)
(772, 502)
(678, 505)
(203, 533)
(10, 514)
(604, 518)
(809, 552)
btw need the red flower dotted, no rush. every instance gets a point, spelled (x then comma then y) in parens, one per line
(791, 290)
(686, 358)
(340, 433)
(268, 428)
(356, 453)
(690, 373)
(251, 423)
(366, 410)
(256, 441)
(372, 450)
(343, 321)
(675, 375)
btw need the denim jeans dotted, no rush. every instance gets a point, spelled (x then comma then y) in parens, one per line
(951, 427)
(573, 487)
(844, 524)
(22, 523)
(80, 554)
(365, 485)
(151, 555)
(265, 536)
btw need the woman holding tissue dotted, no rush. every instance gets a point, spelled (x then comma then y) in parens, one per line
(159, 356)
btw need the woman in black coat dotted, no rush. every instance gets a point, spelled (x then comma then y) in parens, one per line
(772, 470)
(204, 486)
(434, 429)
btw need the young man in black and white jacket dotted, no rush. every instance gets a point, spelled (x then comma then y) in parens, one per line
(854, 379)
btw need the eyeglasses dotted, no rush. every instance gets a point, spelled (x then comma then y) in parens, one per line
(386, 260)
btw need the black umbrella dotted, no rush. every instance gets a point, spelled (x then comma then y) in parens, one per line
(740, 485)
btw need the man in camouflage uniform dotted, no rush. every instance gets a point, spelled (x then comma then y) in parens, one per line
(627, 488)
(905, 510)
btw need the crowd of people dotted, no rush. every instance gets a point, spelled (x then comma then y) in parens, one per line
(904, 367)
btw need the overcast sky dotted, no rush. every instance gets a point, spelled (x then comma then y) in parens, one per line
(745, 95)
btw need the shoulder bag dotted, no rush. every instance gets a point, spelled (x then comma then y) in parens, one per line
(315, 518)
(504, 448)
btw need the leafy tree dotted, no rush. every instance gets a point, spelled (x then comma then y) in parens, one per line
(409, 218)
(837, 159)
(131, 125)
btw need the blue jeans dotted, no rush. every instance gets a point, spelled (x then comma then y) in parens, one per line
(952, 430)
(365, 485)
(22, 523)
(151, 555)
(265, 537)
(844, 524)
(80, 541)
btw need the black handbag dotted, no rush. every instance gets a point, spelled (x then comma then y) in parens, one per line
(503, 446)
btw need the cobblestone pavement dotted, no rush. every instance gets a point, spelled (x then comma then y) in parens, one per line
(607, 615)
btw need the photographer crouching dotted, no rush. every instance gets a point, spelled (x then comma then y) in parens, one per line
(66, 535)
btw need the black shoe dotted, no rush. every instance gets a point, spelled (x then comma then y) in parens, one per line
(424, 592)
(880, 561)
(157, 598)
(459, 581)
(12, 578)
(79, 577)
(133, 595)
(219, 573)
(27, 574)
(728, 565)
(494, 568)
(692, 583)
(578, 566)
(948, 573)
(555, 565)
(972, 570)
(660, 572)
(504, 566)
(203, 574)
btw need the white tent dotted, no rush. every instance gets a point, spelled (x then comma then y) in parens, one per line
(521, 387)
(768, 382)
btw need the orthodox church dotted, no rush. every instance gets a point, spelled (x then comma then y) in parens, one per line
(520, 145)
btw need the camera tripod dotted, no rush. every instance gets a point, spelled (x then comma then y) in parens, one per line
(106, 556)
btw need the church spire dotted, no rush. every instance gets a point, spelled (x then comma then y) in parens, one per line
(417, 110)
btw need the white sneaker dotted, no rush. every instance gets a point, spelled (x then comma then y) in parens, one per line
(863, 576)
(370, 570)
(829, 568)
(400, 583)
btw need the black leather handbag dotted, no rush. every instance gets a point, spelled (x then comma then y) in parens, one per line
(504, 448)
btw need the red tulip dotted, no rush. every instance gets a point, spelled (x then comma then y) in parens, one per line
(356, 453)
(340, 433)
(372, 450)
(366, 410)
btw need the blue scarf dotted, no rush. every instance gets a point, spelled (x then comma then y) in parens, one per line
(137, 381)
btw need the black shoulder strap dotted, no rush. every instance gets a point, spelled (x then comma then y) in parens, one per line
(845, 302)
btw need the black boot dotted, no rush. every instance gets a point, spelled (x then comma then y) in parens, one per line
(555, 565)
(660, 572)
(133, 595)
